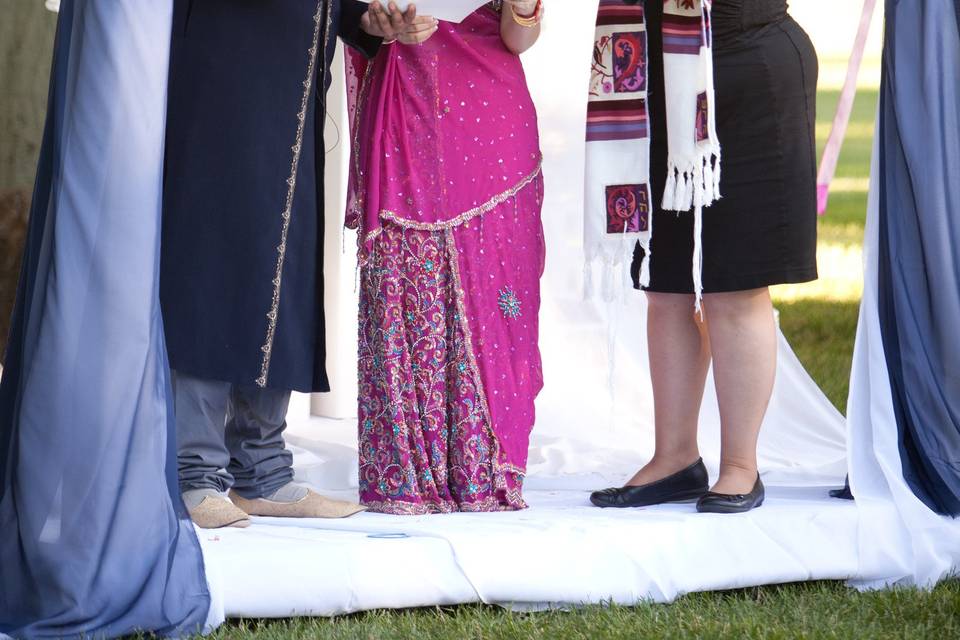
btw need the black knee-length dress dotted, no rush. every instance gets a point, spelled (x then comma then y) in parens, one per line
(763, 231)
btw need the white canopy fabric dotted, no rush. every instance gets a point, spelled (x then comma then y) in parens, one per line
(929, 548)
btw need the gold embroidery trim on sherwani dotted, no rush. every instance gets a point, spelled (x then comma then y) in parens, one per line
(274, 313)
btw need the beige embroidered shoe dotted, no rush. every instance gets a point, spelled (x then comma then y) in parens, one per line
(217, 513)
(312, 505)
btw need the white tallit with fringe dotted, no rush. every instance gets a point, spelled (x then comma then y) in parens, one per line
(618, 202)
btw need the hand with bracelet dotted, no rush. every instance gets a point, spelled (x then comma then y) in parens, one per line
(525, 9)
(519, 27)
(520, 24)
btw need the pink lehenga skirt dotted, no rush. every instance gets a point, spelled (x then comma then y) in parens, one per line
(446, 192)
(449, 362)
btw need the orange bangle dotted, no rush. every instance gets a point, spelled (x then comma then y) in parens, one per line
(528, 21)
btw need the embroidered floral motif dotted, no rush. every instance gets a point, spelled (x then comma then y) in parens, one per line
(509, 304)
(426, 445)
(629, 62)
(703, 117)
(628, 208)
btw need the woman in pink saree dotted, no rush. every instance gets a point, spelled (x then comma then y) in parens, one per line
(446, 194)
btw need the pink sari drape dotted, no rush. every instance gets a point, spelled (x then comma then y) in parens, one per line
(446, 194)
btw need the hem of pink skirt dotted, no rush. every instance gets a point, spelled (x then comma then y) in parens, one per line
(401, 508)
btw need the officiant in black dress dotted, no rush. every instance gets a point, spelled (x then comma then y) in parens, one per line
(242, 240)
(762, 232)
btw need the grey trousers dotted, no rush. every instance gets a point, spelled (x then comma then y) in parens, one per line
(231, 437)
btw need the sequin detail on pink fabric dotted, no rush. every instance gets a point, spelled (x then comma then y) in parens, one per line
(441, 130)
(446, 193)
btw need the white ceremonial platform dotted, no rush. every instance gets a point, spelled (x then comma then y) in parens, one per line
(594, 429)
(561, 552)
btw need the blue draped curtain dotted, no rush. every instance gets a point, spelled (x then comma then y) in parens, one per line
(919, 248)
(94, 539)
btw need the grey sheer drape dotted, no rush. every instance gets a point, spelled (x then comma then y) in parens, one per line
(94, 540)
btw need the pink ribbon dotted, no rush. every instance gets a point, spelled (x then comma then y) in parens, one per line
(831, 152)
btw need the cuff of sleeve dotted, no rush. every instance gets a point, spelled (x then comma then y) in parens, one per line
(365, 43)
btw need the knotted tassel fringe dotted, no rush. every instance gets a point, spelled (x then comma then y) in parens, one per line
(697, 183)
(645, 264)
(669, 192)
(698, 259)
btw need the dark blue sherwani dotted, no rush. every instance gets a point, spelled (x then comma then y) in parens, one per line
(242, 261)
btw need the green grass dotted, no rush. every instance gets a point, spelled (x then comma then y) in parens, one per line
(855, 156)
(821, 333)
(844, 220)
(809, 610)
(846, 212)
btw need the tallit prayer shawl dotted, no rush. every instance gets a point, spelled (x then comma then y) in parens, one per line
(619, 204)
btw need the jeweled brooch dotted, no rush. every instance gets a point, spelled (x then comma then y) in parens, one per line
(509, 304)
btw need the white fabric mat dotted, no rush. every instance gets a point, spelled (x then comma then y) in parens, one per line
(594, 429)
(560, 552)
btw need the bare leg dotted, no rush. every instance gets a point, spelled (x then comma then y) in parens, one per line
(679, 359)
(743, 341)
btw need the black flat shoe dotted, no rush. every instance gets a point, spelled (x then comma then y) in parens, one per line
(843, 494)
(732, 503)
(683, 486)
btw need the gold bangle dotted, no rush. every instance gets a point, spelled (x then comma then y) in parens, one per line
(528, 21)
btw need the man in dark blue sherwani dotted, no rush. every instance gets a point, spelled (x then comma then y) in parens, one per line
(242, 242)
